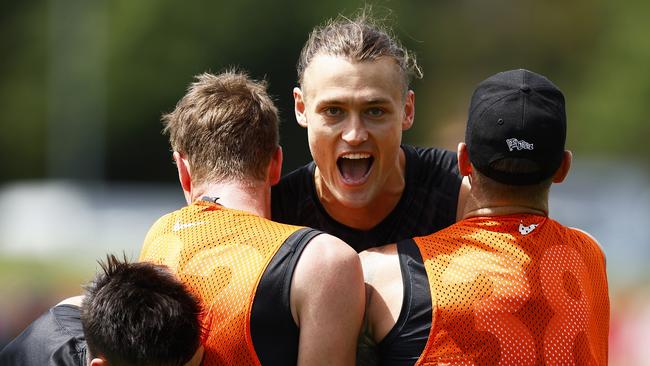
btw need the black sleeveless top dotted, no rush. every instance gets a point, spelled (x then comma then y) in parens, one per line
(427, 205)
(405, 342)
(273, 331)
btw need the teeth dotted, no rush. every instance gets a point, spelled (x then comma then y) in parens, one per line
(356, 156)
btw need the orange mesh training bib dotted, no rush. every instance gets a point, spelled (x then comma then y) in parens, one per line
(221, 255)
(515, 290)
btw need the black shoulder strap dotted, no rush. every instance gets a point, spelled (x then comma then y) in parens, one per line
(273, 330)
(407, 339)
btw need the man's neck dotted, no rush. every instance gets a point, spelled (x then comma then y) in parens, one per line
(254, 198)
(478, 205)
(504, 210)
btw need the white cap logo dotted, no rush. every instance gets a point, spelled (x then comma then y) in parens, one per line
(513, 144)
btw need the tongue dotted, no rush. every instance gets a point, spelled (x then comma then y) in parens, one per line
(354, 169)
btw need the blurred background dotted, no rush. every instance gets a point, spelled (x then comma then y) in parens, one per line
(86, 171)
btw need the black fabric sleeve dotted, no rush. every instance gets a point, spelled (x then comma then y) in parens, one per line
(55, 338)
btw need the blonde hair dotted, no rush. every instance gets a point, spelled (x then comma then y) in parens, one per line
(226, 125)
(360, 39)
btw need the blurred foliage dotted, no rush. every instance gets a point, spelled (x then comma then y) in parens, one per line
(23, 89)
(83, 84)
(612, 100)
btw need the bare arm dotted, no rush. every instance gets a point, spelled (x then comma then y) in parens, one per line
(327, 302)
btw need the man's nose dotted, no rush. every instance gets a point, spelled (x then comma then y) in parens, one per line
(355, 131)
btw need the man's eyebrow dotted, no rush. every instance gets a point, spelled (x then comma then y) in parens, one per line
(340, 101)
(377, 101)
(329, 101)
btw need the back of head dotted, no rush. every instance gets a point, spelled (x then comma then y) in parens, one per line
(226, 126)
(516, 128)
(359, 39)
(140, 314)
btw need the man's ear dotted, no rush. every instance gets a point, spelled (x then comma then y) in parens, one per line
(197, 358)
(562, 172)
(184, 175)
(98, 362)
(299, 107)
(275, 167)
(409, 110)
(464, 165)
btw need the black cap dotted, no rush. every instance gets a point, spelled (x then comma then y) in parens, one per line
(516, 114)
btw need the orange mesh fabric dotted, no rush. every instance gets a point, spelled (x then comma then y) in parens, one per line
(515, 290)
(221, 255)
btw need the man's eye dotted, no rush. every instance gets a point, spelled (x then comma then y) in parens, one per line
(375, 112)
(333, 111)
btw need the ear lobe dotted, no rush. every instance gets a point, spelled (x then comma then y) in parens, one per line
(98, 362)
(275, 168)
(184, 175)
(464, 164)
(409, 110)
(197, 358)
(299, 107)
(563, 171)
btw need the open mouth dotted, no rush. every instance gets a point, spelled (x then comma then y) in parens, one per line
(354, 167)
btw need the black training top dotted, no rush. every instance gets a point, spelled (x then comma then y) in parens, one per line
(427, 205)
(55, 338)
(406, 340)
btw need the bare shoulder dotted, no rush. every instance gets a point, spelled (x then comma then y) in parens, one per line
(331, 241)
(330, 250)
(378, 252)
(75, 300)
(328, 263)
(379, 260)
(384, 289)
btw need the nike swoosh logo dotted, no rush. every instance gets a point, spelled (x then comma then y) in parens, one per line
(525, 230)
(178, 226)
